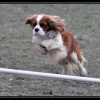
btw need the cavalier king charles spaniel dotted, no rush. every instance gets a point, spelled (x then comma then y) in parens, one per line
(51, 37)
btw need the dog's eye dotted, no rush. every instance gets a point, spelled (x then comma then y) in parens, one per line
(34, 25)
(42, 25)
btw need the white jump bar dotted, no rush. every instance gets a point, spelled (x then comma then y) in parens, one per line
(32, 73)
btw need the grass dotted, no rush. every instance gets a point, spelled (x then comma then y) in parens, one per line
(17, 51)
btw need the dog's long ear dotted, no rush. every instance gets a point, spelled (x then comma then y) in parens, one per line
(28, 19)
(56, 23)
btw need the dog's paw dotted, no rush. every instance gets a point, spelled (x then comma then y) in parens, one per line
(42, 49)
(44, 53)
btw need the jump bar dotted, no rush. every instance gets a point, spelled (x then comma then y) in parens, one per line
(32, 73)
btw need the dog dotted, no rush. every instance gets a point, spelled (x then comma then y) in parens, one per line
(63, 47)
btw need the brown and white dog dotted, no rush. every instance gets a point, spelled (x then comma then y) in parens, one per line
(63, 47)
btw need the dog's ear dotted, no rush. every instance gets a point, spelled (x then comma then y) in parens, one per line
(56, 23)
(28, 19)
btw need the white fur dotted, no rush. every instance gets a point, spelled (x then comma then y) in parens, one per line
(55, 47)
(73, 56)
(82, 70)
(58, 54)
(40, 32)
(39, 18)
(53, 43)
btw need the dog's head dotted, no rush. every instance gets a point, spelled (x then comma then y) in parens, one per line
(42, 23)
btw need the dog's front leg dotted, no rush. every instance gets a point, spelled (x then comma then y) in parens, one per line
(54, 43)
(48, 44)
(42, 50)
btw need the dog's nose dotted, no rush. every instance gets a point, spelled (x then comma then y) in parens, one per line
(36, 29)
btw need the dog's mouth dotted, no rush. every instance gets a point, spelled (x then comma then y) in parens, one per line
(38, 34)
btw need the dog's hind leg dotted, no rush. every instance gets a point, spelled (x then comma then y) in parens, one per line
(65, 69)
(82, 70)
(64, 63)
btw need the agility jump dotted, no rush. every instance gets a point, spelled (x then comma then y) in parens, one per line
(50, 75)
